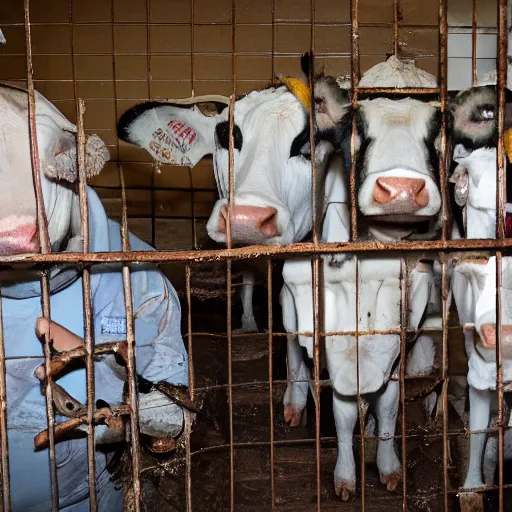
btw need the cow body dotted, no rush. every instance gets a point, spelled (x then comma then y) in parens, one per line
(474, 277)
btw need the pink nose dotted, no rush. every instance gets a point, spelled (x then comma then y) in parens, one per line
(408, 192)
(259, 220)
(488, 337)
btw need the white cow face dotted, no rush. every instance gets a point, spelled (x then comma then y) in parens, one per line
(474, 137)
(272, 179)
(474, 289)
(56, 138)
(397, 157)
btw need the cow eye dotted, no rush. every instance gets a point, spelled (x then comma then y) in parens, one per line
(484, 113)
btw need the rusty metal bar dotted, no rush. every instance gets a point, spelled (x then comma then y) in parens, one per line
(42, 221)
(499, 379)
(191, 387)
(444, 378)
(443, 97)
(316, 363)
(87, 306)
(271, 384)
(405, 91)
(354, 70)
(404, 309)
(4, 442)
(229, 305)
(501, 66)
(474, 74)
(396, 28)
(255, 251)
(44, 241)
(133, 398)
(48, 391)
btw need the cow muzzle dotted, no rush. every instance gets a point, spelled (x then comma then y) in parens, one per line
(403, 194)
(18, 236)
(249, 224)
(488, 338)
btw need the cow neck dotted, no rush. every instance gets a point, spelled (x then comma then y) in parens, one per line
(64, 275)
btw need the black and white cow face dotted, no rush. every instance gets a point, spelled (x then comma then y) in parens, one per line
(397, 159)
(272, 179)
(56, 138)
(475, 138)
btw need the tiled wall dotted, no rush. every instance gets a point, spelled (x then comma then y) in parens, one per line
(114, 55)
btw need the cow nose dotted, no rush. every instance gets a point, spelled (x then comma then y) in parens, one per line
(259, 219)
(488, 336)
(410, 191)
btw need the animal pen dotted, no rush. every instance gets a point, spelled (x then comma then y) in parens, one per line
(95, 60)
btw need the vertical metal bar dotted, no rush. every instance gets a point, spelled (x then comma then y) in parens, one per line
(314, 205)
(191, 386)
(48, 391)
(271, 383)
(133, 397)
(192, 86)
(443, 89)
(354, 64)
(396, 33)
(360, 407)
(273, 39)
(4, 446)
(499, 380)
(444, 377)
(501, 66)
(87, 305)
(443, 96)
(404, 308)
(473, 43)
(42, 222)
(231, 196)
(45, 249)
(316, 364)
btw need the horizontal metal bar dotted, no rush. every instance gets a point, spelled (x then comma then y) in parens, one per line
(255, 251)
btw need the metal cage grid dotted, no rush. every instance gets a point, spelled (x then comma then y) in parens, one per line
(314, 249)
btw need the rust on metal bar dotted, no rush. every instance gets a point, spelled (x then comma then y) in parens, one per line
(399, 91)
(87, 306)
(474, 75)
(396, 31)
(404, 309)
(354, 71)
(4, 443)
(254, 251)
(444, 378)
(271, 384)
(42, 221)
(317, 298)
(443, 97)
(191, 387)
(501, 66)
(48, 391)
(133, 397)
(499, 379)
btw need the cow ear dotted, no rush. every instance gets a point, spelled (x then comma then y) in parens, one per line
(65, 165)
(170, 134)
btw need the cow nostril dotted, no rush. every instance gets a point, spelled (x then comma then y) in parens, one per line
(268, 225)
(382, 192)
(223, 215)
(422, 194)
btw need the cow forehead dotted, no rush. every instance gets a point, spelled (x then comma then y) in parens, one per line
(267, 105)
(383, 114)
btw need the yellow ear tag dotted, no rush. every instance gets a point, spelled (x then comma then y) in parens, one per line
(299, 89)
(507, 142)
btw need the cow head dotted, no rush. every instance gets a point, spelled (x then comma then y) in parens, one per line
(396, 153)
(56, 138)
(272, 178)
(475, 137)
